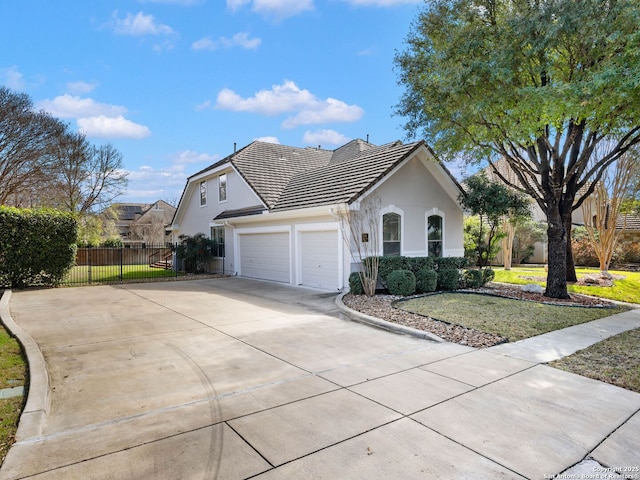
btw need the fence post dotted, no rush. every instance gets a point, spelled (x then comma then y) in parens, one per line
(89, 263)
(121, 262)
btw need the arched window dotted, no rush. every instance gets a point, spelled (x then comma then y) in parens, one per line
(391, 234)
(434, 236)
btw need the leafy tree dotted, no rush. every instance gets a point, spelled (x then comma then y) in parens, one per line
(196, 250)
(528, 233)
(539, 83)
(491, 201)
(28, 140)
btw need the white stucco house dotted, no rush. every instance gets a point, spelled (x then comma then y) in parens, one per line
(276, 208)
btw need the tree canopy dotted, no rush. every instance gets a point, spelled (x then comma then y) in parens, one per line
(539, 83)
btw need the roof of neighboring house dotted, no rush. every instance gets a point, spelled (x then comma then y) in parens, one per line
(131, 212)
(287, 178)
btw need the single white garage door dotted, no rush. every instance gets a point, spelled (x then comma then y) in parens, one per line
(319, 259)
(265, 256)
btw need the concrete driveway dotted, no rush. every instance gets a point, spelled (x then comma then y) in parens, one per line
(231, 379)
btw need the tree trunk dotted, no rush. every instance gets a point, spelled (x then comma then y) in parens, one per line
(571, 266)
(557, 272)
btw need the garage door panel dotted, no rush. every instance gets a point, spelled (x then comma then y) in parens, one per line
(265, 256)
(319, 259)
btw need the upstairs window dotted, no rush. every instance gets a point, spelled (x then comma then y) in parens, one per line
(434, 236)
(203, 193)
(391, 234)
(222, 188)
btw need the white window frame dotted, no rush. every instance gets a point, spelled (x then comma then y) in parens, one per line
(397, 211)
(431, 213)
(202, 189)
(223, 179)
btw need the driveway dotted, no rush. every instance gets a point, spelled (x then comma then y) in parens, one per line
(231, 378)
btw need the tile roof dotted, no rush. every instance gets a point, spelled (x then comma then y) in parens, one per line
(628, 222)
(343, 181)
(287, 178)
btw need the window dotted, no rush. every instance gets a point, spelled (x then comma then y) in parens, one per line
(203, 193)
(434, 236)
(222, 188)
(391, 234)
(217, 236)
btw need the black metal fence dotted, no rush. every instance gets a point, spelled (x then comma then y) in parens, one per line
(105, 265)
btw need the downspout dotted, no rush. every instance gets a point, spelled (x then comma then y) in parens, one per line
(232, 227)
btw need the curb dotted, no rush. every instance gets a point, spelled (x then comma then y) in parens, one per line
(36, 409)
(383, 324)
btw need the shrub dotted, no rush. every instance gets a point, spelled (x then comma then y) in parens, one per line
(488, 275)
(415, 264)
(37, 247)
(388, 264)
(426, 280)
(448, 279)
(355, 284)
(450, 262)
(401, 282)
(472, 278)
(113, 242)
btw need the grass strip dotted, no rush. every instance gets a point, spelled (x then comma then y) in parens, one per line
(512, 319)
(615, 360)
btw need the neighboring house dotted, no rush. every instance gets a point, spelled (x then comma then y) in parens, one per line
(144, 223)
(540, 253)
(277, 208)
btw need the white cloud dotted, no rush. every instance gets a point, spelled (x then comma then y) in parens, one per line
(149, 183)
(240, 39)
(268, 140)
(12, 78)
(81, 87)
(330, 110)
(324, 137)
(69, 106)
(275, 9)
(139, 25)
(287, 98)
(102, 126)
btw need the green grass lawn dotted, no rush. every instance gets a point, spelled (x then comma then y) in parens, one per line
(615, 360)
(626, 289)
(113, 273)
(13, 373)
(511, 319)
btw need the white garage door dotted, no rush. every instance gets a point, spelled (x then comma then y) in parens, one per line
(265, 256)
(319, 259)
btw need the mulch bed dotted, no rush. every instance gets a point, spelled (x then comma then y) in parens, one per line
(381, 306)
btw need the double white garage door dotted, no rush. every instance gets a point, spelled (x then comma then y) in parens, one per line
(314, 261)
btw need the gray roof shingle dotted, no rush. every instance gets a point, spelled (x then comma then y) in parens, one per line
(287, 178)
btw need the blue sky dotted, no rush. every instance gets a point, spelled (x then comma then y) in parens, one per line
(172, 84)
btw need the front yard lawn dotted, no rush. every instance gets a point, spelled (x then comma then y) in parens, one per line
(511, 319)
(626, 289)
(615, 360)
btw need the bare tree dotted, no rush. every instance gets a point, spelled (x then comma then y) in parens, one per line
(360, 226)
(28, 140)
(88, 177)
(602, 211)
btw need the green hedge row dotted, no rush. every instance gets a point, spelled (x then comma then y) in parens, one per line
(409, 275)
(37, 247)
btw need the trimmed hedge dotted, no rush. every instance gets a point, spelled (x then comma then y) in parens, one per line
(401, 282)
(355, 284)
(472, 278)
(448, 279)
(426, 280)
(37, 247)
